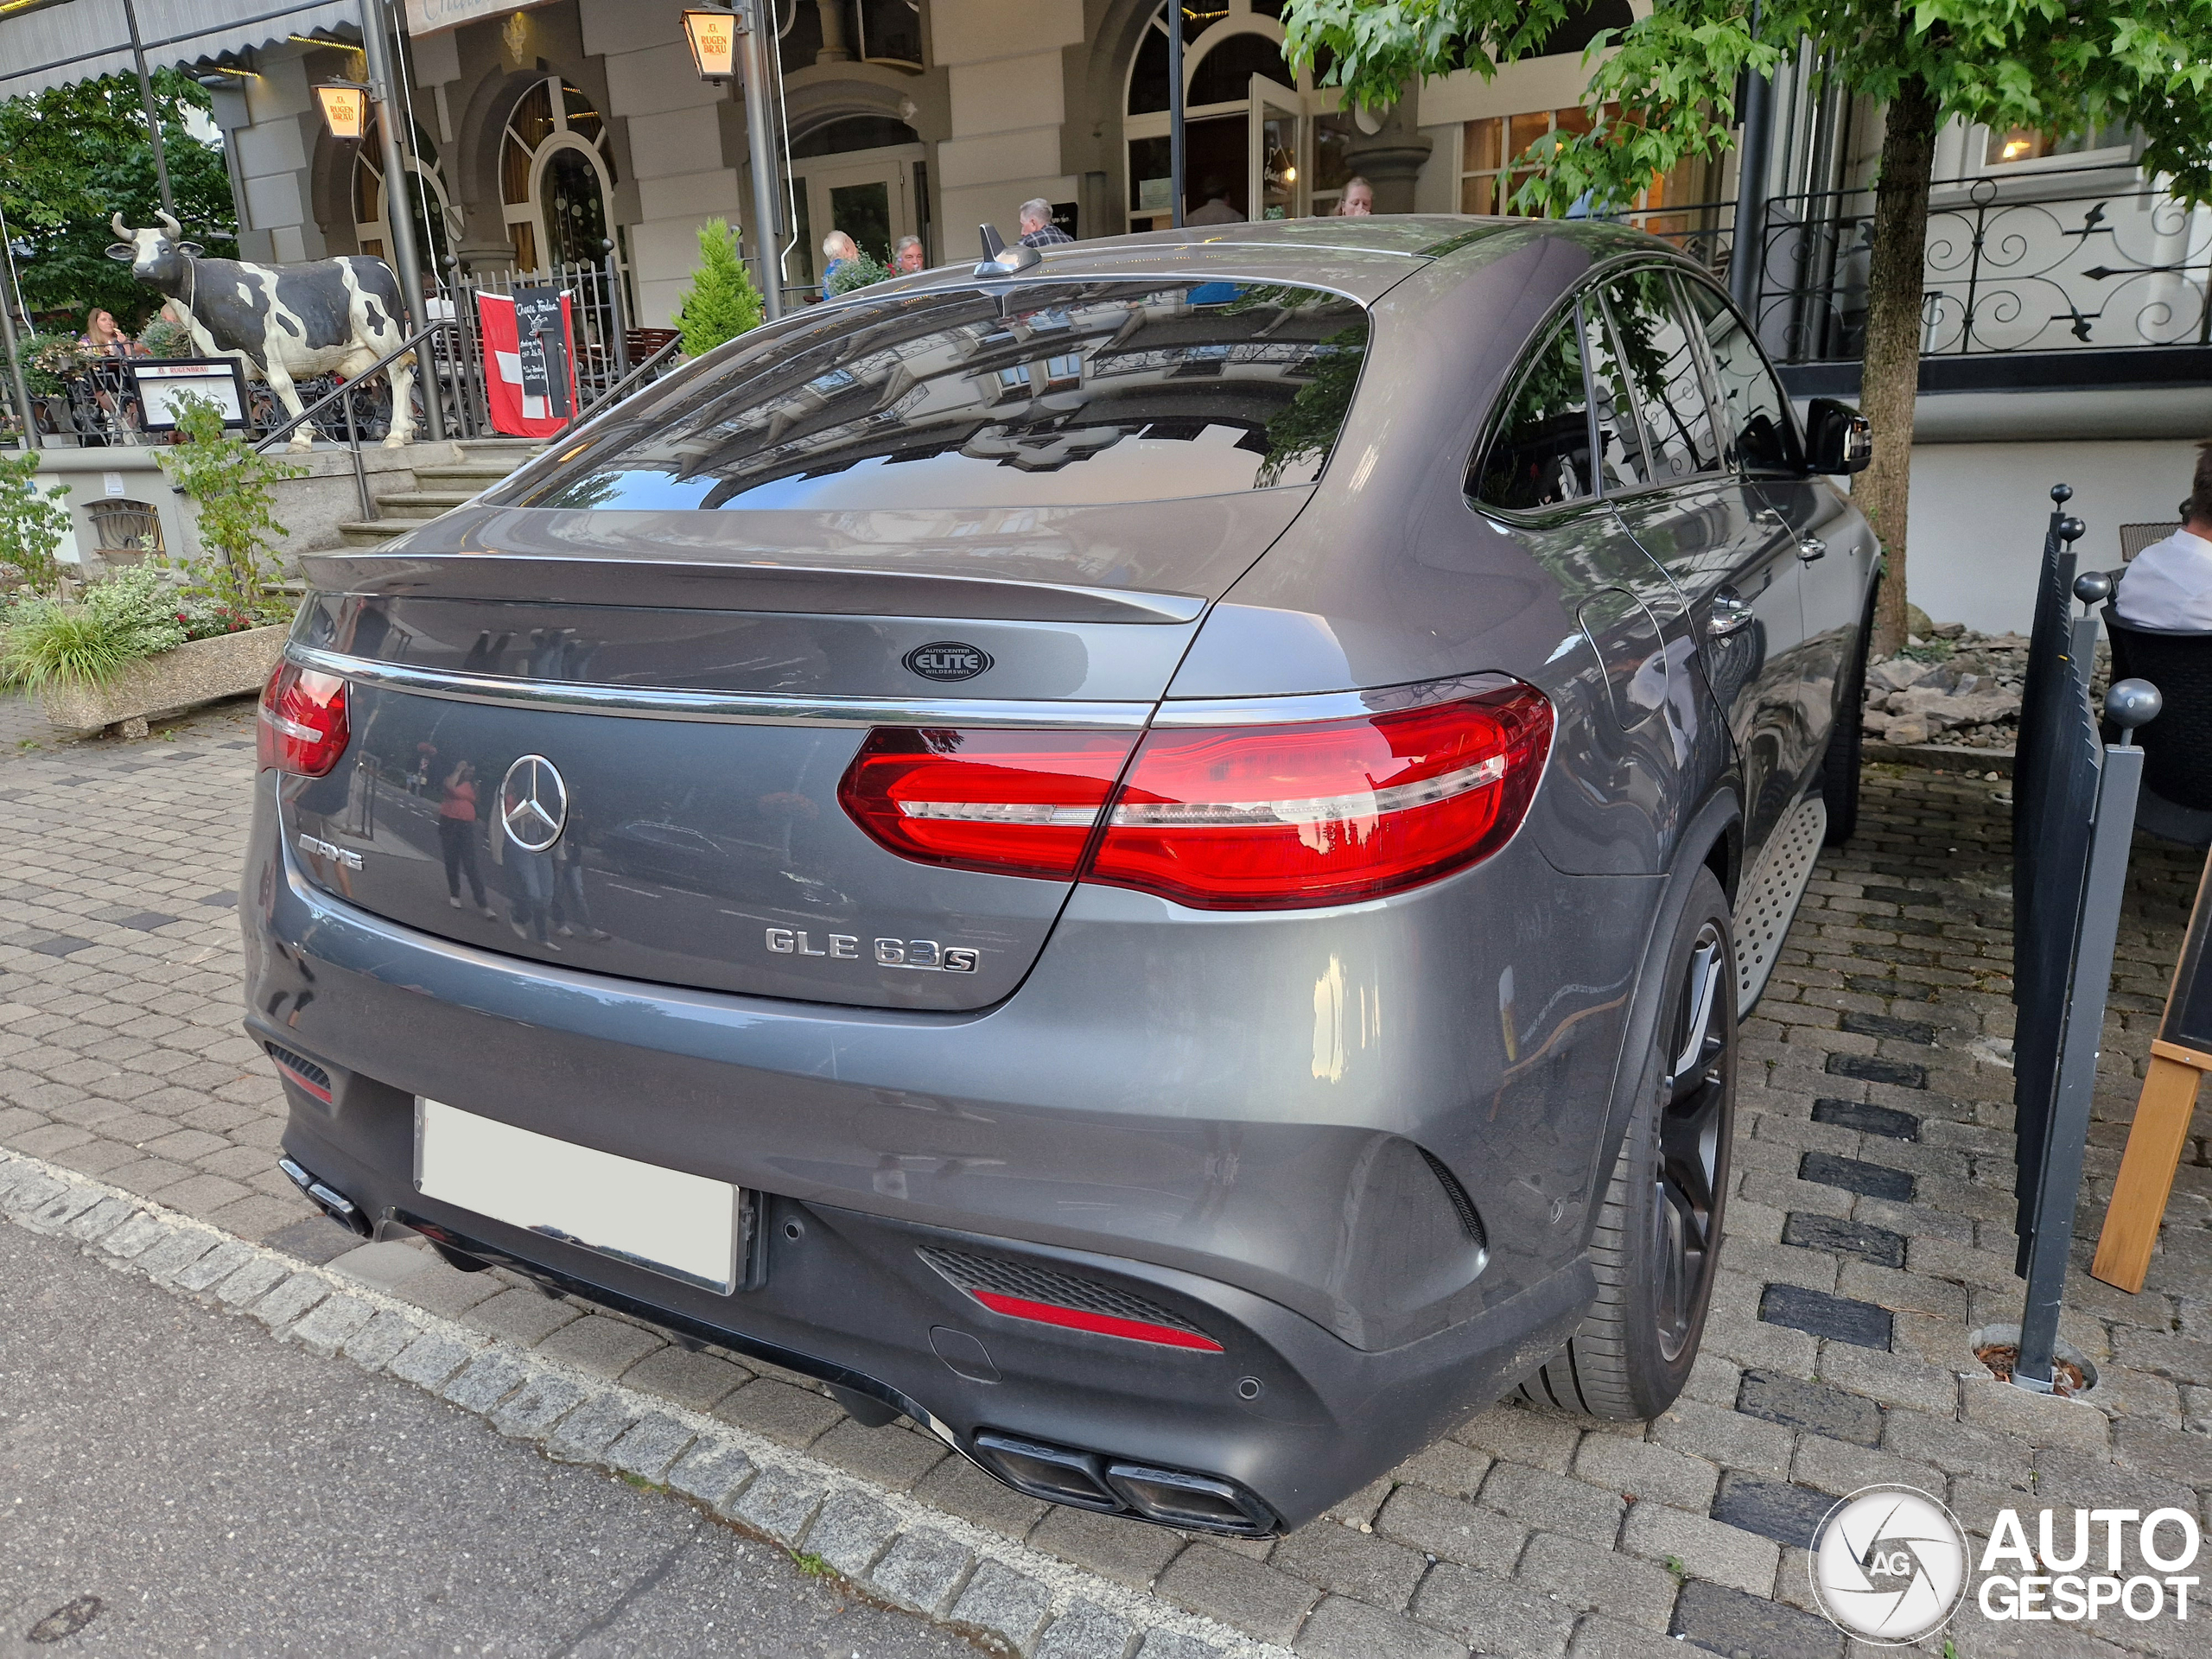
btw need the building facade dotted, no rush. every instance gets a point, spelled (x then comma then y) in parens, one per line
(2068, 330)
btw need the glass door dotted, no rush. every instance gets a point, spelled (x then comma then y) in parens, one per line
(869, 196)
(1280, 184)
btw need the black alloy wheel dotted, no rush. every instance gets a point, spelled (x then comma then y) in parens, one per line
(1698, 1089)
(1841, 765)
(1655, 1248)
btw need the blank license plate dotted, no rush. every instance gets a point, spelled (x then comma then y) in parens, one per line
(683, 1225)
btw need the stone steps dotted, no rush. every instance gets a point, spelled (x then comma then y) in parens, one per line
(439, 488)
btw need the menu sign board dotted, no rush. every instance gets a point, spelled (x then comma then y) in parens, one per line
(542, 341)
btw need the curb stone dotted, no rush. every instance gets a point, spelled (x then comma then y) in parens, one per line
(909, 1555)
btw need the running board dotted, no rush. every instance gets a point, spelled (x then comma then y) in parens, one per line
(1767, 902)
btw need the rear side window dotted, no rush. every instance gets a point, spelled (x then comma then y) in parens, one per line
(1662, 369)
(1540, 454)
(1755, 420)
(1624, 458)
(1061, 395)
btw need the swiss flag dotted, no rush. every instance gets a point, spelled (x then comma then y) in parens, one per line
(515, 411)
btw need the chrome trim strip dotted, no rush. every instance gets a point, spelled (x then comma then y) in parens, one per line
(1325, 705)
(724, 707)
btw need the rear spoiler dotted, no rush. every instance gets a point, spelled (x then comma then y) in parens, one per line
(734, 585)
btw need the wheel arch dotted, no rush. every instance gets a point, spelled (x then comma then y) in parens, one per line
(1711, 839)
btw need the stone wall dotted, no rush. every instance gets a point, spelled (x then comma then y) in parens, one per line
(311, 507)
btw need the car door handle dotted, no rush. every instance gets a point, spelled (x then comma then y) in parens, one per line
(1810, 548)
(1730, 613)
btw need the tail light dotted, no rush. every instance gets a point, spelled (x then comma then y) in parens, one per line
(1013, 803)
(1283, 816)
(1248, 818)
(302, 726)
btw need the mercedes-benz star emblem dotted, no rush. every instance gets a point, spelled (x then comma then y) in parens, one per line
(533, 804)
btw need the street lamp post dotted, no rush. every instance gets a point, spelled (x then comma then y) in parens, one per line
(153, 117)
(398, 205)
(719, 40)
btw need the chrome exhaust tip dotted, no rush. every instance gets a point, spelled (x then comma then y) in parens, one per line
(327, 1198)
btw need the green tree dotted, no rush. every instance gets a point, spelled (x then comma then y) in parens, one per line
(32, 525)
(2062, 65)
(721, 302)
(77, 153)
(233, 485)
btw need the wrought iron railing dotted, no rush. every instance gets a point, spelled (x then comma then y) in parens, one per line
(2047, 265)
(97, 407)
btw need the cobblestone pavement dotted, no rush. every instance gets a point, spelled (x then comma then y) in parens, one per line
(1869, 1235)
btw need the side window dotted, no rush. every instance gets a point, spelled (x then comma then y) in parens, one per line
(1662, 368)
(1625, 460)
(1755, 424)
(1540, 454)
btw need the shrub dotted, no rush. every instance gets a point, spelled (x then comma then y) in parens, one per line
(862, 271)
(117, 622)
(721, 302)
(50, 359)
(162, 338)
(232, 485)
(32, 525)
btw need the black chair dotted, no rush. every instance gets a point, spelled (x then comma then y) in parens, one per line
(2176, 798)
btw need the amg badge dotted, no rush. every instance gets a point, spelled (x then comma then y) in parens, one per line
(948, 659)
(316, 847)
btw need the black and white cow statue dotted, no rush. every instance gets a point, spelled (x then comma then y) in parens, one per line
(282, 323)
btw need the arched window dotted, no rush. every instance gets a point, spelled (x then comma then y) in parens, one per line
(555, 177)
(435, 222)
(1292, 163)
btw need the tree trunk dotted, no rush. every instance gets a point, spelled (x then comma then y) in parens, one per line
(1891, 379)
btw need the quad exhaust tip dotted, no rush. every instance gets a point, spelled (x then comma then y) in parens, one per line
(1089, 1480)
(327, 1198)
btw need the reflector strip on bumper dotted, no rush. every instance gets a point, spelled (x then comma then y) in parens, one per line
(1105, 1325)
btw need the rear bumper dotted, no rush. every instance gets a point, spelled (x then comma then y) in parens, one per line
(1288, 1213)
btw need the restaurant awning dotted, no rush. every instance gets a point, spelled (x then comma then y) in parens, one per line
(53, 42)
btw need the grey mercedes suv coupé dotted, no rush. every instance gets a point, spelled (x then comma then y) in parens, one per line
(1148, 855)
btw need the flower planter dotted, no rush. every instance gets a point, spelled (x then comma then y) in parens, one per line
(197, 671)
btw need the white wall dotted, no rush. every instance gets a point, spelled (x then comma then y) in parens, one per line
(1975, 535)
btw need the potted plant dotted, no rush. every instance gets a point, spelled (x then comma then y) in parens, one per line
(161, 637)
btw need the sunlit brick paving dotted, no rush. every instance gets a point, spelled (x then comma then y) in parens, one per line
(1868, 1237)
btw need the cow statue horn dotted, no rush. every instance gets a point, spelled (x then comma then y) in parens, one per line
(122, 231)
(170, 224)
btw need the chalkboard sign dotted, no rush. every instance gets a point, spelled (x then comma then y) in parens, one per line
(2188, 1023)
(542, 325)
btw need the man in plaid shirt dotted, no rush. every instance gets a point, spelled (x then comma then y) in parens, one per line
(1037, 229)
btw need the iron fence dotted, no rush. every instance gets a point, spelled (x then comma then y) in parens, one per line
(97, 408)
(2009, 266)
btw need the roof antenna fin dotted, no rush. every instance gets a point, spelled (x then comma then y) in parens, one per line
(1000, 260)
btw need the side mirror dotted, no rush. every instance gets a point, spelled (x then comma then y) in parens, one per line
(1837, 438)
(126, 252)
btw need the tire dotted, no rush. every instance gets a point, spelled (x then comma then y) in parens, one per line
(1848, 743)
(1655, 1248)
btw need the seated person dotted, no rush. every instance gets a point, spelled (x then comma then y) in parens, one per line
(2167, 588)
(104, 337)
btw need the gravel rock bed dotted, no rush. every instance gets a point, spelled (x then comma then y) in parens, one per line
(1955, 687)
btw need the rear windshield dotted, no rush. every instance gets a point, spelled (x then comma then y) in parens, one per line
(1066, 395)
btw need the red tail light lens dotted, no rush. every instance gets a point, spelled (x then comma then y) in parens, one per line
(1105, 1325)
(1249, 817)
(1011, 803)
(302, 726)
(1286, 817)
